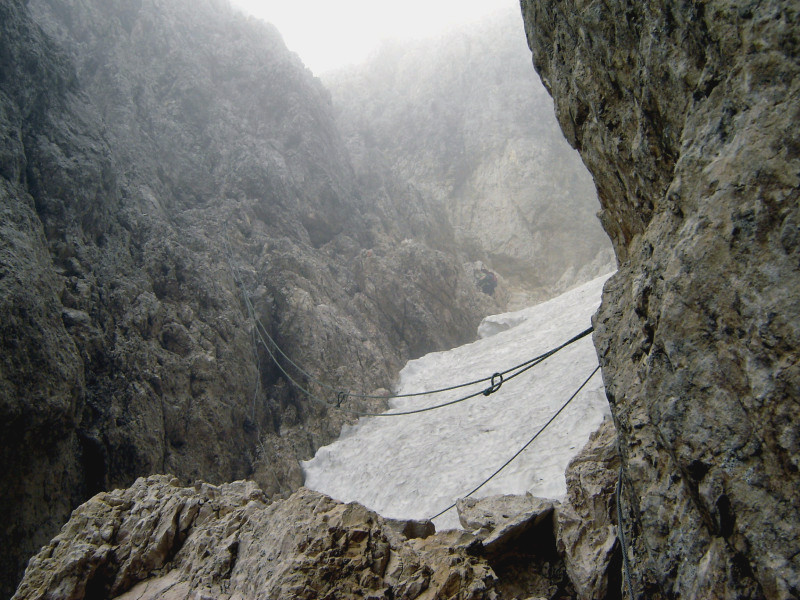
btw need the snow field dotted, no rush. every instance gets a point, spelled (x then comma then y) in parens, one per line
(414, 466)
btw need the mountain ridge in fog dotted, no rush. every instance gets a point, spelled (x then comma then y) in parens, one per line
(465, 119)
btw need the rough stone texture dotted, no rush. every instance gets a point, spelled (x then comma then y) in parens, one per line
(413, 528)
(151, 154)
(686, 114)
(516, 536)
(578, 536)
(586, 520)
(498, 518)
(157, 540)
(160, 540)
(465, 120)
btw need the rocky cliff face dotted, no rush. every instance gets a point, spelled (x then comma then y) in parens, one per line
(686, 115)
(159, 160)
(157, 539)
(465, 119)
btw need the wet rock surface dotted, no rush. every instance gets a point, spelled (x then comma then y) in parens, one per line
(686, 117)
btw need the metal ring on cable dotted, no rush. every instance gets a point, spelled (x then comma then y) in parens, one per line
(497, 381)
(341, 397)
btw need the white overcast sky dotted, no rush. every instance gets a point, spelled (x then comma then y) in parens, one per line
(328, 34)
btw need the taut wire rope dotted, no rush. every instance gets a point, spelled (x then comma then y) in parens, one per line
(528, 443)
(626, 568)
(496, 379)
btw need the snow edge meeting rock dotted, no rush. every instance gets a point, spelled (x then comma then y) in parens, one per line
(158, 539)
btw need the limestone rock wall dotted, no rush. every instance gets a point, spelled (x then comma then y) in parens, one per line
(159, 540)
(586, 519)
(686, 115)
(158, 160)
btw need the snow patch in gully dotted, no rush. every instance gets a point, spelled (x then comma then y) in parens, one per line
(412, 467)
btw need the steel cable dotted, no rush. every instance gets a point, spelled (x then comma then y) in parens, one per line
(528, 443)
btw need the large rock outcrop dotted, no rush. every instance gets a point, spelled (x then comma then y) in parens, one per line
(464, 119)
(158, 160)
(686, 115)
(157, 540)
(160, 540)
(586, 519)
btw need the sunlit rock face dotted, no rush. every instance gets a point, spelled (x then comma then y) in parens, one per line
(466, 120)
(152, 154)
(687, 116)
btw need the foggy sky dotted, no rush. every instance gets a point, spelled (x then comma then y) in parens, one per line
(328, 35)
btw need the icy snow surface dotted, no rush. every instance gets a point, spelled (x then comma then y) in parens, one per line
(413, 466)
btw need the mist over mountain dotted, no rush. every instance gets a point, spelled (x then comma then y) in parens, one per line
(466, 120)
(176, 190)
(158, 160)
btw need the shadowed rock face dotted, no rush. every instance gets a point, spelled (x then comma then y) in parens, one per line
(687, 118)
(151, 155)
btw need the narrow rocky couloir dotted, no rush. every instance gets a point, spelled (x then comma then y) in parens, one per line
(686, 116)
